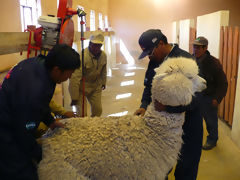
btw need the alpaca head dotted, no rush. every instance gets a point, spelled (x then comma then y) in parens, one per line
(176, 81)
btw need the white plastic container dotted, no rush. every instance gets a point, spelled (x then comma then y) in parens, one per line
(49, 22)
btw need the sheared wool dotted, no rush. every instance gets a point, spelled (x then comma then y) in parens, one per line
(127, 147)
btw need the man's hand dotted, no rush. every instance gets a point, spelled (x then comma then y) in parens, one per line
(74, 102)
(69, 114)
(56, 124)
(140, 111)
(103, 87)
(214, 103)
(159, 106)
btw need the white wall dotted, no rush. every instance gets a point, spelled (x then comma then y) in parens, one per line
(209, 26)
(175, 32)
(184, 33)
(236, 116)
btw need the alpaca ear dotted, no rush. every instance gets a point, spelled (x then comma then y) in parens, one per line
(160, 76)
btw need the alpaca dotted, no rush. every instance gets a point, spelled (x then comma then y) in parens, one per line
(127, 147)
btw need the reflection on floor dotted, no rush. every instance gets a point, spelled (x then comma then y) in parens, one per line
(221, 163)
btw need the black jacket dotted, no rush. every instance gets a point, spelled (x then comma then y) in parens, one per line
(211, 70)
(24, 102)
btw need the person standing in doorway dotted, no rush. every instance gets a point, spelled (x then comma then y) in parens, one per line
(95, 72)
(211, 70)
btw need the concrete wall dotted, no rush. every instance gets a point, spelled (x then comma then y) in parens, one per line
(209, 26)
(175, 32)
(10, 21)
(10, 12)
(99, 6)
(129, 18)
(236, 116)
(184, 31)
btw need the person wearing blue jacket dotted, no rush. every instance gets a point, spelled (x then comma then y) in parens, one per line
(25, 94)
(155, 45)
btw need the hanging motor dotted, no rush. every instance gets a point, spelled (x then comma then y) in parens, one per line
(50, 31)
(54, 30)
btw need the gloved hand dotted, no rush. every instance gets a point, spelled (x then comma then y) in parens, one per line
(140, 111)
(56, 124)
(69, 114)
(214, 103)
(103, 87)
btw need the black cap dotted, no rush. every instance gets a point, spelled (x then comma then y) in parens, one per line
(148, 40)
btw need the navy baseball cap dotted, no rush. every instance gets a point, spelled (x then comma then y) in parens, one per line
(148, 40)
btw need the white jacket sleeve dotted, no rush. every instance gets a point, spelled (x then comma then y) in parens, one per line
(74, 84)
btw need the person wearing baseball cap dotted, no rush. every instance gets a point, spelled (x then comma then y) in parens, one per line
(95, 64)
(200, 45)
(148, 41)
(155, 46)
(211, 70)
(97, 39)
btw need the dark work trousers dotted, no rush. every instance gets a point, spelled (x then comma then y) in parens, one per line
(187, 165)
(14, 164)
(210, 115)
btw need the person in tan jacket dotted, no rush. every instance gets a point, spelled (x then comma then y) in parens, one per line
(95, 62)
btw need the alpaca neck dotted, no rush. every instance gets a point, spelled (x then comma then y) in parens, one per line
(162, 119)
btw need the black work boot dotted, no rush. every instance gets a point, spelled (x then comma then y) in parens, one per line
(209, 145)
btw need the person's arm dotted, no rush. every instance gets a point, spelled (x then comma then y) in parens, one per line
(56, 109)
(59, 110)
(144, 102)
(74, 84)
(146, 96)
(221, 83)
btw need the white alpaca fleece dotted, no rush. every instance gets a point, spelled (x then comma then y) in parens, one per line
(128, 147)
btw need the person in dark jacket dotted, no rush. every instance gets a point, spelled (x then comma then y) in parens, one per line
(25, 94)
(155, 45)
(211, 70)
